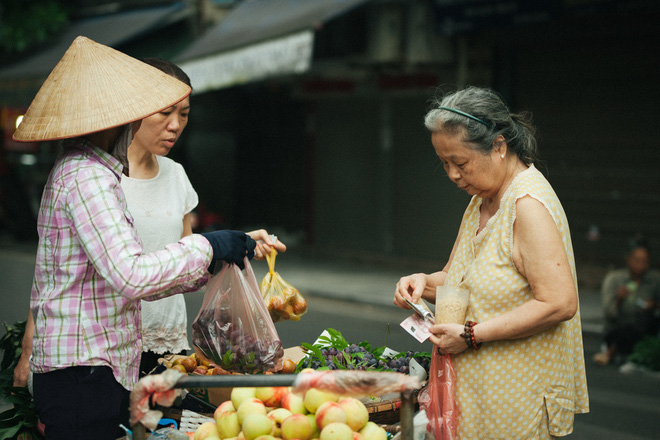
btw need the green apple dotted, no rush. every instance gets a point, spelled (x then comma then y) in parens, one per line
(278, 415)
(337, 431)
(250, 406)
(296, 426)
(227, 424)
(205, 430)
(315, 398)
(315, 429)
(255, 425)
(372, 431)
(238, 395)
(357, 414)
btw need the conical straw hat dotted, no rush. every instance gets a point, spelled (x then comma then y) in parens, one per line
(93, 88)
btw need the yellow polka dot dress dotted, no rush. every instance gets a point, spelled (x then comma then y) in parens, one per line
(518, 389)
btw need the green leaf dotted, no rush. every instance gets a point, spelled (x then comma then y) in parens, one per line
(7, 433)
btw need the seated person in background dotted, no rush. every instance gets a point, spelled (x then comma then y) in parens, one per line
(630, 296)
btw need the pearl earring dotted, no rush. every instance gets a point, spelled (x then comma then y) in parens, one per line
(502, 156)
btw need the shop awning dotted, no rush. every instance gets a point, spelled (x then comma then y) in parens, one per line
(25, 77)
(259, 39)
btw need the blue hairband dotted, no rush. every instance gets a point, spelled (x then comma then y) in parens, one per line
(467, 115)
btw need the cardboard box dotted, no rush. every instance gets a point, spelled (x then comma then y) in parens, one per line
(213, 396)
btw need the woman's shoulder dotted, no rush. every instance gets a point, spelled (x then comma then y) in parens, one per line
(169, 165)
(533, 183)
(171, 169)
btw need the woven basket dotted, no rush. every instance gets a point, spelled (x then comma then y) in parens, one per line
(387, 412)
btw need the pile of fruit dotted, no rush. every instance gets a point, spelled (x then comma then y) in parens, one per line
(272, 413)
(334, 352)
(194, 364)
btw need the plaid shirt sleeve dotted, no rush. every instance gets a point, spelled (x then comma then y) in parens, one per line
(97, 209)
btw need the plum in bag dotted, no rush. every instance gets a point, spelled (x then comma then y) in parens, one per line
(233, 327)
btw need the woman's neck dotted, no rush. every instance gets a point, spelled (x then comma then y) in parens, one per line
(104, 139)
(142, 163)
(514, 167)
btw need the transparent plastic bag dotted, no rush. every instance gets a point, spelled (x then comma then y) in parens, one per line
(233, 327)
(438, 398)
(284, 301)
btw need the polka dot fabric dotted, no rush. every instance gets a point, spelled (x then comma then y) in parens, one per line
(519, 389)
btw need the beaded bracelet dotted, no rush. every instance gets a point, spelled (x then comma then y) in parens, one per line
(468, 334)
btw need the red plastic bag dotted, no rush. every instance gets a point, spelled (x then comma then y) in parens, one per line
(438, 398)
(233, 327)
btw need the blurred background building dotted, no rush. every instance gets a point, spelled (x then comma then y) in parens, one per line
(307, 114)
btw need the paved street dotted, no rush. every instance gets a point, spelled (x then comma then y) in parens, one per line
(355, 298)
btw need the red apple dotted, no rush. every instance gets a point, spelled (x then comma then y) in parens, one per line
(223, 407)
(270, 396)
(329, 412)
(294, 403)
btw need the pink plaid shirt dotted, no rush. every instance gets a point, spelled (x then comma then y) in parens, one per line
(90, 270)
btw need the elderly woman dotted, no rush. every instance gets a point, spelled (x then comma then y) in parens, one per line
(91, 271)
(519, 358)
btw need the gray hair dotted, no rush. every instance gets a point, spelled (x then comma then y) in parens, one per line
(487, 118)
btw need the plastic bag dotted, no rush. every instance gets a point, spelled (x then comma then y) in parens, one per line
(233, 327)
(438, 398)
(284, 301)
(355, 382)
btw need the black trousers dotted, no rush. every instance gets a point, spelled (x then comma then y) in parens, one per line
(81, 403)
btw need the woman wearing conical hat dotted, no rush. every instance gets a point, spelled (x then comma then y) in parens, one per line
(91, 272)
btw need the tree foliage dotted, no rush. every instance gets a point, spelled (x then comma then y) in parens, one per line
(27, 23)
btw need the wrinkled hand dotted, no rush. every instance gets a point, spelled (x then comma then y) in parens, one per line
(447, 337)
(231, 246)
(410, 287)
(21, 372)
(265, 244)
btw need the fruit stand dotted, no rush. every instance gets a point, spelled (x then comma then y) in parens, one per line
(362, 382)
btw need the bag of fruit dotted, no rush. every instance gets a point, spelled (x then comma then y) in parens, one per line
(233, 327)
(284, 301)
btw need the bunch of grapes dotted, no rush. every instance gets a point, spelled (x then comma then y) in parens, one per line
(234, 348)
(359, 357)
